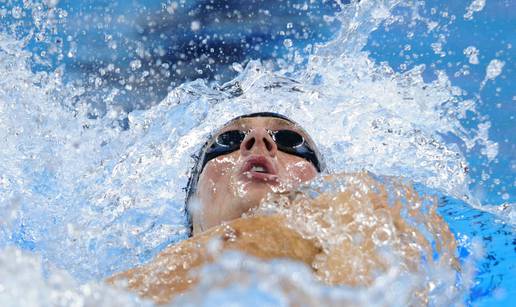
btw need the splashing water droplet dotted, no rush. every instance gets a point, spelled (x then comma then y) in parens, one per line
(237, 67)
(475, 6)
(493, 70)
(17, 12)
(472, 53)
(52, 3)
(135, 64)
(195, 25)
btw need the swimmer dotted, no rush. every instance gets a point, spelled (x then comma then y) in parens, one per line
(244, 195)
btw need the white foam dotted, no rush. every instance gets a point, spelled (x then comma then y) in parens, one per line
(91, 199)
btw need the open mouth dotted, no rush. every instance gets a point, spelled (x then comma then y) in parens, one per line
(258, 168)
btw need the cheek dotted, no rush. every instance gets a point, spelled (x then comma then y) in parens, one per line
(301, 171)
(215, 177)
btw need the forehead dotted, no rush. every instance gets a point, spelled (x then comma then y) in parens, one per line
(257, 122)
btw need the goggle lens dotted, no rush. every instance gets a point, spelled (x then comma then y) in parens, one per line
(231, 139)
(287, 138)
(283, 138)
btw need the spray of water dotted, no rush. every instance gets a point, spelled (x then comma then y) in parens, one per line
(92, 198)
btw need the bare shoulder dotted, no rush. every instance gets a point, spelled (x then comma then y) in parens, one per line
(170, 273)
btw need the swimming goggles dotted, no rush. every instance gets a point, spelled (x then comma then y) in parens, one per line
(288, 141)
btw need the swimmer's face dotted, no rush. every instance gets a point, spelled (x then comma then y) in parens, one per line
(231, 184)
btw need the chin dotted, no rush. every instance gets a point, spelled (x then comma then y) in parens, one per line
(253, 197)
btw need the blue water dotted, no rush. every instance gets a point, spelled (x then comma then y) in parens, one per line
(92, 176)
(491, 32)
(498, 259)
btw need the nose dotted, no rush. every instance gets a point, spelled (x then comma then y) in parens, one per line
(258, 141)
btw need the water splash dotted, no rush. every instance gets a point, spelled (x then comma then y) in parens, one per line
(342, 215)
(368, 225)
(36, 285)
(93, 198)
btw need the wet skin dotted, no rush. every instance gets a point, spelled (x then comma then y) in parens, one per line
(302, 230)
(232, 184)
